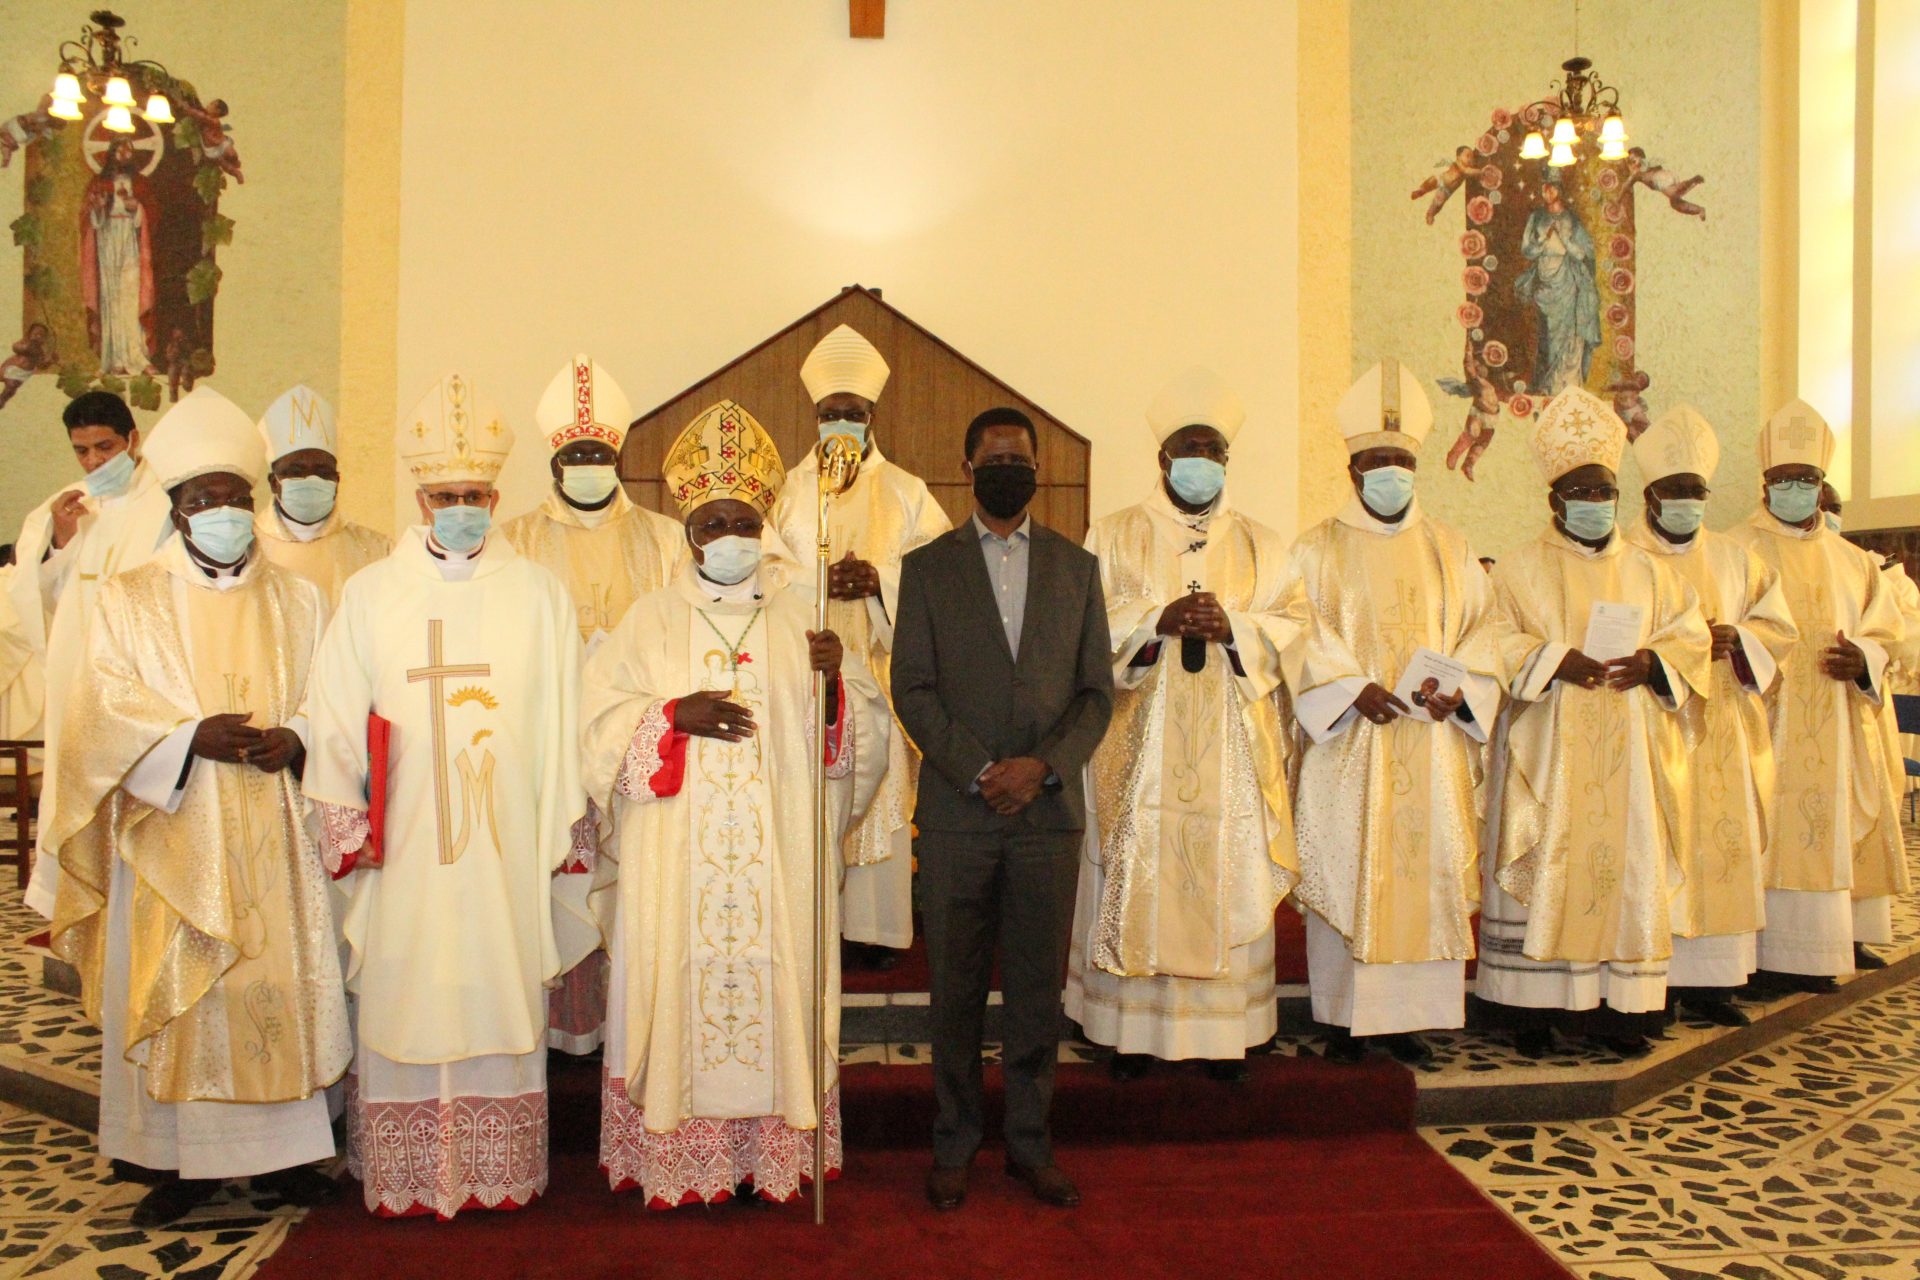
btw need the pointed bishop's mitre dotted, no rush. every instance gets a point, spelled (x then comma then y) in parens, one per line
(1576, 429)
(583, 402)
(723, 453)
(454, 434)
(204, 433)
(844, 361)
(1197, 398)
(1386, 409)
(299, 419)
(1796, 435)
(1680, 442)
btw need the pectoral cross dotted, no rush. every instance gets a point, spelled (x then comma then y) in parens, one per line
(434, 674)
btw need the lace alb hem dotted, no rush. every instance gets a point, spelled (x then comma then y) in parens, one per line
(704, 1160)
(441, 1157)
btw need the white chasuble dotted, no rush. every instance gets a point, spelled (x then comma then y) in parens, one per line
(1190, 832)
(709, 1041)
(1386, 816)
(1834, 850)
(53, 593)
(325, 554)
(606, 559)
(1722, 742)
(193, 901)
(885, 513)
(452, 933)
(1576, 905)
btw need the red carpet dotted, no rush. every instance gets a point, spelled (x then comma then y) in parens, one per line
(1323, 1177)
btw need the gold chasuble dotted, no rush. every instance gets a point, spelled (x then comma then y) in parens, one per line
(235, 991)
(327, 554)
(1721, 742)
(1586, 797)
(1196, 840)
(606, 558)
(1836, 815)
(1388, 827)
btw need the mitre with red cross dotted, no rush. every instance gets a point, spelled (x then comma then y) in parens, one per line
(723, 453)
(583, 402)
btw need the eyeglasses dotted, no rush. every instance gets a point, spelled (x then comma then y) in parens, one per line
(1796, 486)
(194, 506)
(461, 498)
(1591, 493)
(857, 416)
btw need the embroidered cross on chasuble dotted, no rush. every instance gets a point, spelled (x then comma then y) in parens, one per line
(476, 781)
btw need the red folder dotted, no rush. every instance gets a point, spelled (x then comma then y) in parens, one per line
(379, 748)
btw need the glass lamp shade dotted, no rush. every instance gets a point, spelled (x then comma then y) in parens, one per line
(64, 109)
(119, 120)
(66, 88)
(119, 93)
(1563, 133)
(1615, 150)
(1561, 158)
(1613, 128)
(1534, 148)
(159, 110)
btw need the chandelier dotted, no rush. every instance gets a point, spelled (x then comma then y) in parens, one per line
(92, 67)
(1586, 105)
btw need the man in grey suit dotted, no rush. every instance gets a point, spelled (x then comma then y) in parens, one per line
(1001, 676)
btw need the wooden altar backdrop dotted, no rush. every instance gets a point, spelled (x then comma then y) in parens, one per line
(921, 422)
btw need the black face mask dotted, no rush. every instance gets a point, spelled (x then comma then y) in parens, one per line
(1003, 489)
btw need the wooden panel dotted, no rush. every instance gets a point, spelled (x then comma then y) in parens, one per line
(921, 421)
(867, 19)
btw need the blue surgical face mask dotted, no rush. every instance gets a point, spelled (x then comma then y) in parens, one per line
(589, 486)
(461, 528)
(730, 559)
(1681, 517)
(1590, 521)
(1387, 490)
(222, 534)
(1196, 480)
(841, 427)
(308, 499)
(110, 478)
(1793, 500)
(1833, 522)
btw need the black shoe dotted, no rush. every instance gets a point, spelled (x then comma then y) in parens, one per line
(946, 1188)
(1228, 1070)
(1721, 1013)
(1408, 1049)
(303, 1186)
(173, 1200)
(867, 957)
(1128, 1067)
(128, 1171)
(1344, 1047)
(1535, 1042)
(1047, 1183)
(1624, 1046)
(1770, 984)
(1865, 959)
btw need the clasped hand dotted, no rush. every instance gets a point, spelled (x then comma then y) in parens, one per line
(1619, 674)
(1008, 786)
(1725, 640)
(1379, 705)
(852, 579)
(1197, 615)
(228, 739)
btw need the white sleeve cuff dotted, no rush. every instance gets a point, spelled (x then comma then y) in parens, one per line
(1676, 689)
(1877, 658)
(1759, 660)
(1125, 674)
(152, 780)
(1483, 701)
(1327, 711)
(1536, 674)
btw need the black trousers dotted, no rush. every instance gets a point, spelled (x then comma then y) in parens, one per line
(1017, 887)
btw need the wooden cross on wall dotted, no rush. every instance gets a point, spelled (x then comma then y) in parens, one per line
(867, 19)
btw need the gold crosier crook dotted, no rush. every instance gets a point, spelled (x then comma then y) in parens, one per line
(839, 462)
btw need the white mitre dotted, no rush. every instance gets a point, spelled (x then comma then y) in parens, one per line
(299, 419)
(844, 361)
(454, 434)
(1796, 435)
(1578, 428)
(1386, 409)
(1680, 442)
(583, 402)
(204, 433)
(1197, 398)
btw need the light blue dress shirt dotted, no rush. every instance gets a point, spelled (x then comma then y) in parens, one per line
(1007, 571)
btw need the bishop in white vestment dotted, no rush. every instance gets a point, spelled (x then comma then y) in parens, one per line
(471, 653)
(885, 513)
(1720, 742)
(1835, 855)
(1598, 639)
(193, 900)
(302, 528)
(1388, 828)
(701, 741)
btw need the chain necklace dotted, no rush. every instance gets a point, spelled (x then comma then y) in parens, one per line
(734, 656)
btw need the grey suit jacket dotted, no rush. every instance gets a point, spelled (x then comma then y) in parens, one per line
(966, 701)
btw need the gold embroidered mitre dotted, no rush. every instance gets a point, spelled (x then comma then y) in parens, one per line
(1576, 430)
(1386, 409)
(453, 434)
(583, 402)
(300, 419)
(1796, 435)
(723, 453)
(1679, 443)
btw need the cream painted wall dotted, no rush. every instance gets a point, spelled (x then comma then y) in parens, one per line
(1424, 77)
(1084, 201)
(278, 65)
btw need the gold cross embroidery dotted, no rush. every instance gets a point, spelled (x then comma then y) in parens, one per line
(1389, 395)
(434, 674)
